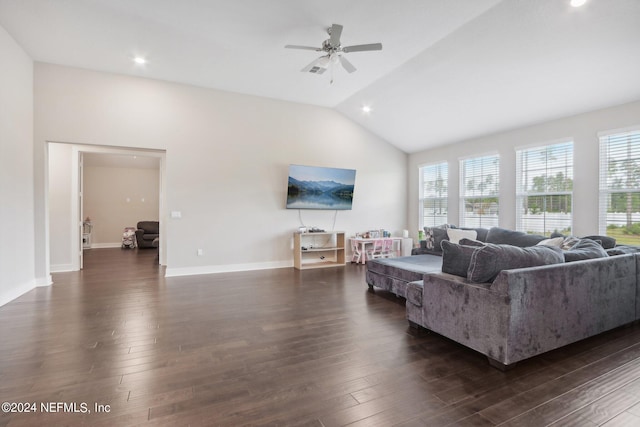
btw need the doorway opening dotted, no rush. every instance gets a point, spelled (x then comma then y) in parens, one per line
(97, 191)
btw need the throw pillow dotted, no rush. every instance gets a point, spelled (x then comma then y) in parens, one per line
(556, 241)
(607, 242)
(455, 234)
(502, 236)
(585, 249)
(456, 258)
(622, 250)
(428, 237)
(434, 236)
(488, 261)
(470, 242)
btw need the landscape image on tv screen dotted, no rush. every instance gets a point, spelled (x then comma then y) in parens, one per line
(312, 187)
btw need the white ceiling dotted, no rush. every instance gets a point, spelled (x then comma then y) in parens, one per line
(449, 70)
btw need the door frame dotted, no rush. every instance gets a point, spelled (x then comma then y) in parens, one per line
(76, 179)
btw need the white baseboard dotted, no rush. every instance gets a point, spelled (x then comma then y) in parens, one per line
(11, 294)
(212, 269)
(44, 281)
(105, 245)
(60, 268)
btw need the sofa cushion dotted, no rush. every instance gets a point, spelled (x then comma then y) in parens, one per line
(407, 268)
(502, 236)
(455, 234)
(488, 261)
(456, 258)
(584, 249)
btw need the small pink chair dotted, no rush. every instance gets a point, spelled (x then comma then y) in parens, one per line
(382, 248)
(357, 254)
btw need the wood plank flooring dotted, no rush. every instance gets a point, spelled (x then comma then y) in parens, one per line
(279, 347)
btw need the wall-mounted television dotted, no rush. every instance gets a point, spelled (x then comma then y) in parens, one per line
(312, 187)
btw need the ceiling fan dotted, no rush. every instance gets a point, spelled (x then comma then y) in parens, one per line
(334, 52)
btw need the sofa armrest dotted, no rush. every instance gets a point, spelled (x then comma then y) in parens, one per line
(555, 305)
(472, 314)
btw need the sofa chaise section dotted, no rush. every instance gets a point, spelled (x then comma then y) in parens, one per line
(394, 274)
(529, 311)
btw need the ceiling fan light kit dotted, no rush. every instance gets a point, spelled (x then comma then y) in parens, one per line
(334, 52)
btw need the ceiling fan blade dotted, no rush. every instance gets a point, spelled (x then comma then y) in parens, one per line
(362, 47)
(293, 46)
(336, 31)
(347, 65)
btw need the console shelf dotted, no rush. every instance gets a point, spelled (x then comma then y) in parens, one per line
(318, 250)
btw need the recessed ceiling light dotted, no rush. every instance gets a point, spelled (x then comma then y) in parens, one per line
(139, 60)
(366, 109)
(578, 3)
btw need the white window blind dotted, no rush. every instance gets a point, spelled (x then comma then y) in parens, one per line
(544, 189)
(479, 191)
(434, 194)
(620, 186)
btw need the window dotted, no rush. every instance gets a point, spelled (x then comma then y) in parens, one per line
(620, 186)
(433, 194)
(479, 186)
(544, 189)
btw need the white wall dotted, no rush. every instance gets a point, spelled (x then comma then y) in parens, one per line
(115, 198)
(60, 218)
(16, 171)
(582, 128)
(227, 158)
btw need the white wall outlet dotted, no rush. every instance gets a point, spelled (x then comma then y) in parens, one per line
(176, 214)
(200, 252)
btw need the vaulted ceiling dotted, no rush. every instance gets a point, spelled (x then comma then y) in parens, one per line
(449, 70)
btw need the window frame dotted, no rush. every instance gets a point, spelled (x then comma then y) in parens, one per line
(523, 193)
(632, 135)
(422, 197)
(463, 196)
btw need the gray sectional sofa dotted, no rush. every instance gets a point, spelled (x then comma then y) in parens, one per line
(524, 311)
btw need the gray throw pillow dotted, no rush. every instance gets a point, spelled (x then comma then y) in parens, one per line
(623, 250)
(470, 242)
(607, 242)
(434, 236)
(502, 236)
(585, 249)
(488, 261)
(456, 258)
(439, 235)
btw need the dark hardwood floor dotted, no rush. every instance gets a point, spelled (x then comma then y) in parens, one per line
(279, 347)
